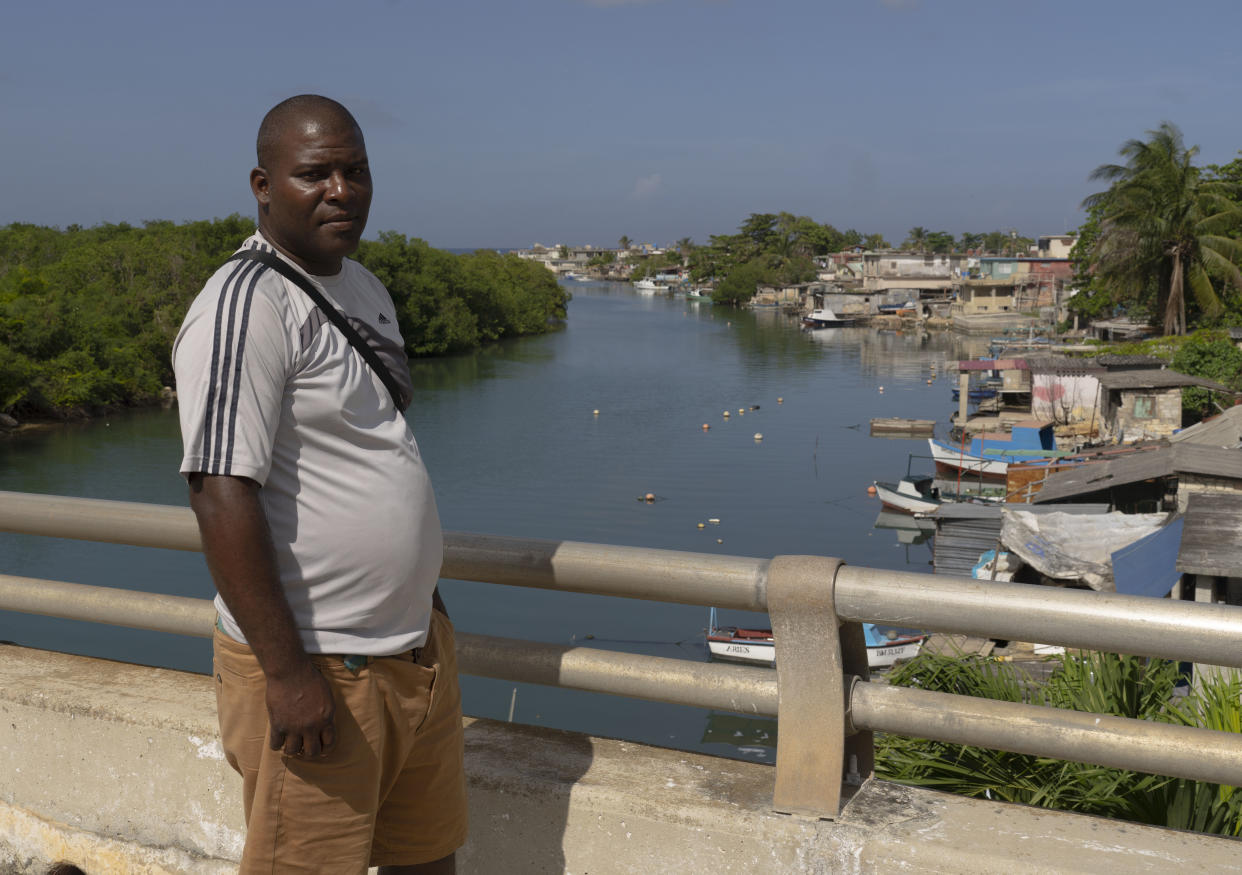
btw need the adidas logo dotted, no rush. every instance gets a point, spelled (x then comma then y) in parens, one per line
(384, 320)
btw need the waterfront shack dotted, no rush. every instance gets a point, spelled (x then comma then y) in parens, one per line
(1141, 404)
(1162, 479)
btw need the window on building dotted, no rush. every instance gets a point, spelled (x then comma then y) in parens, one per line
(1144, 406)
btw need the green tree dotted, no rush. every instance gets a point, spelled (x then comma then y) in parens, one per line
(916, 239)
(1166, 226)
(939, 241)
(624, 243)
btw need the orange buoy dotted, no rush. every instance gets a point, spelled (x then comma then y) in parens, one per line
(706, 426)
(871, 490)
(649, 497)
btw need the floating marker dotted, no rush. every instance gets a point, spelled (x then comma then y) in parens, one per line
(780, 400)
(726, 414)
(701, 526)
(714, 521)
(881, 388)
(596, 411)
(706, 426)
(929, 382)
(649, 497)
(871, 490)
(720, 540)
(758, 436)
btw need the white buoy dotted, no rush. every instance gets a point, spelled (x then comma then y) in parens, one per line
(780, 400)
(881, 388)
(596, 411)
(758, 436)
(726, 414)
(714, 521)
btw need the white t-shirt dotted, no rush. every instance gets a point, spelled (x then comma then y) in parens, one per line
(269, 389)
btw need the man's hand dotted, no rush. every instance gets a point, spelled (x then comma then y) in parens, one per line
(300, 712)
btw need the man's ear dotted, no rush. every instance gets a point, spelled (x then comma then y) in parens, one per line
(260, 186)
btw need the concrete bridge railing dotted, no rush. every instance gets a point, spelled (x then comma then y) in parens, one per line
(825, 705)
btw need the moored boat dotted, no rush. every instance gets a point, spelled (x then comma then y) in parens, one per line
(649, 286)
(825, 318)
(989, 454)
(885, 644)
(910, 494)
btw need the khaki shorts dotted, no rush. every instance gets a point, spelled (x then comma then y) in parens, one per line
(392, 791)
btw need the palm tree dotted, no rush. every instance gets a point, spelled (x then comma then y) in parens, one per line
(624, 243)
(916, 240)
(1164, 225)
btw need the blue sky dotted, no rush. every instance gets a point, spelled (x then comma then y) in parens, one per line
(506, 122)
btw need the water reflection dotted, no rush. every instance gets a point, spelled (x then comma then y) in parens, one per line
(755, 737)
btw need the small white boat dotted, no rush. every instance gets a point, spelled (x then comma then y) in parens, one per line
(885, 644)
(911, 494)
(825, 318)
(649, 286)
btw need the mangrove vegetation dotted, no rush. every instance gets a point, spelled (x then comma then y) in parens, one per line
(88, 315)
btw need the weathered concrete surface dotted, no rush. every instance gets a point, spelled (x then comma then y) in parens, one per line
(116, 767)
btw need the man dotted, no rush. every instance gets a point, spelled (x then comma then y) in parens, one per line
(335, 678)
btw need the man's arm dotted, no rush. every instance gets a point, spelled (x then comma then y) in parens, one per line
(242, 561)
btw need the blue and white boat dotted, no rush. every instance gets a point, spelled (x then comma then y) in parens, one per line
(885, 644)
(989, 454)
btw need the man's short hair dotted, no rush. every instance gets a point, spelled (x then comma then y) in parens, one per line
(291, 111)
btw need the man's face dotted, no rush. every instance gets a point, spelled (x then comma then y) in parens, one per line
(314, 199)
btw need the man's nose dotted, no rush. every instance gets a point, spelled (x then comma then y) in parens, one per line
(338, 187)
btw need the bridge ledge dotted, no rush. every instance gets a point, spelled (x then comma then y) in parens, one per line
(116, 766)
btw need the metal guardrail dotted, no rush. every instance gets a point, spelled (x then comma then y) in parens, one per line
(820, 693)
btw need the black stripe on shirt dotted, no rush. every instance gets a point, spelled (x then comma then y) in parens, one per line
(237, 368)
(213, 388)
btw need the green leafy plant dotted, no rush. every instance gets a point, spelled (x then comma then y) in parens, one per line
(1103, 683)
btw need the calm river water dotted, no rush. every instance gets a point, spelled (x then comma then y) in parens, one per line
(514, 448)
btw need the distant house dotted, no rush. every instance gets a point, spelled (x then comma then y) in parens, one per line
(1055, 245)
(779, 296)
(1121, 328)
(910, 271)
(1066, 391)
(1144, 404)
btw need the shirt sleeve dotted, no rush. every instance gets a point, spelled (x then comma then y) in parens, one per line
(232, 360)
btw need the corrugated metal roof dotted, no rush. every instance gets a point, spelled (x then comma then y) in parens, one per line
(1062, 364)
(1212, 535)
(1113, 360)
(1224, 430)
(1182, 458)
(1151, 379)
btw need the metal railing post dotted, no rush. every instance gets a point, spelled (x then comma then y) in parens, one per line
(818, 742)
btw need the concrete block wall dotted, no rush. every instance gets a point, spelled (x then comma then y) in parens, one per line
(117, 768)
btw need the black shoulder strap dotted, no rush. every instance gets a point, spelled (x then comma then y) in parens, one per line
(334, 315)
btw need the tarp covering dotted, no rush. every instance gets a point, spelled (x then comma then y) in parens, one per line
(1067, 546)
(1149, 565)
